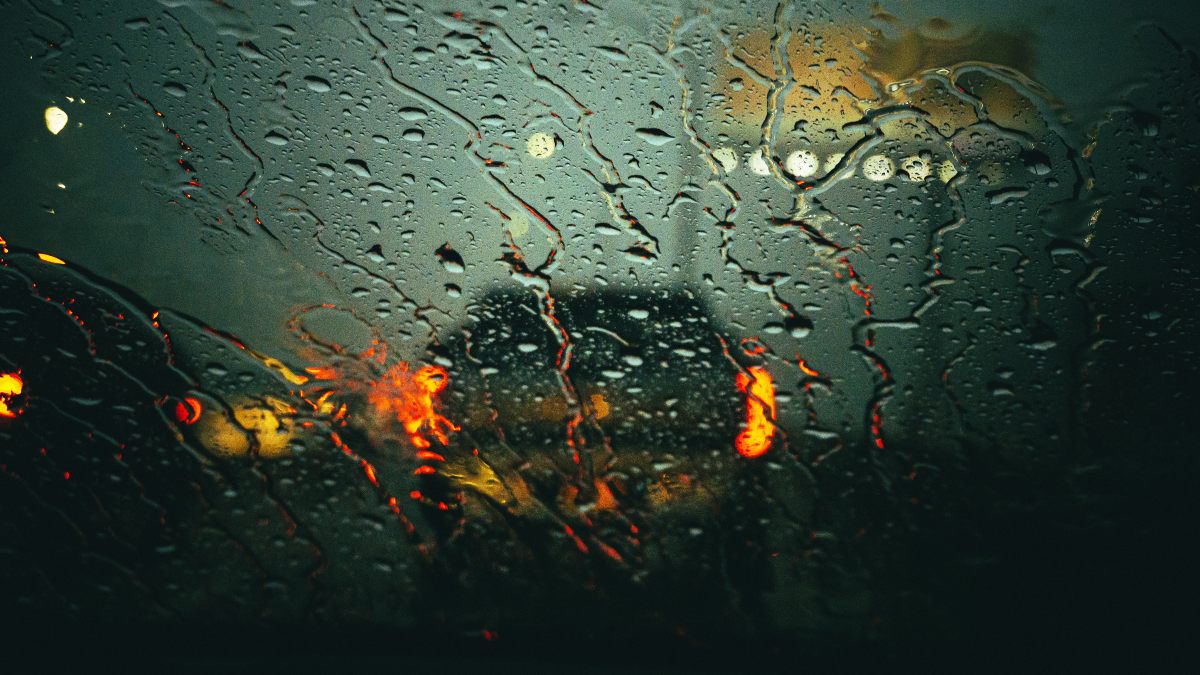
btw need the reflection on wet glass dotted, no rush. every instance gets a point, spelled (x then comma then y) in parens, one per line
(700, 322)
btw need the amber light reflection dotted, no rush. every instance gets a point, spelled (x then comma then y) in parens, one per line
(755, 438)
(407, 396)
(410, 397)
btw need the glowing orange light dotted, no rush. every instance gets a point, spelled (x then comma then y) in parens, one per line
(322, 373)
(409, 397)
(600, 405)
(755, 439)
(604, 496)
(400, 394)
(11, 386)
(806, 369)
(46, 257)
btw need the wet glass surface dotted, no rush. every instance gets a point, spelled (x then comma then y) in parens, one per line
(558, 332)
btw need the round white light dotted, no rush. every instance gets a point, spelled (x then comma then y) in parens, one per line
(802, 163)
(540, 145)
(916, 168)
(878, 167)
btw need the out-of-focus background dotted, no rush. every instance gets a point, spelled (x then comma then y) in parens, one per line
(521, 331)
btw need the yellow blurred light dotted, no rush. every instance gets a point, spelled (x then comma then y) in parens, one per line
(267, 424)
(56, 119)
(600, 406)
(11, 386)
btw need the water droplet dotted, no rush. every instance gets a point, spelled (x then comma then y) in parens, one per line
(359, 168)
(654, 136)
(276, 138)
(317, 84)
(450, 259)
(412, 114)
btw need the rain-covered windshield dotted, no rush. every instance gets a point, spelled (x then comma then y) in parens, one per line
(561, 332)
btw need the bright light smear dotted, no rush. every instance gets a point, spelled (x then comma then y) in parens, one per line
(11, 386)
(53, 260)
(410, 398)
(755, 439)
(55, 118)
